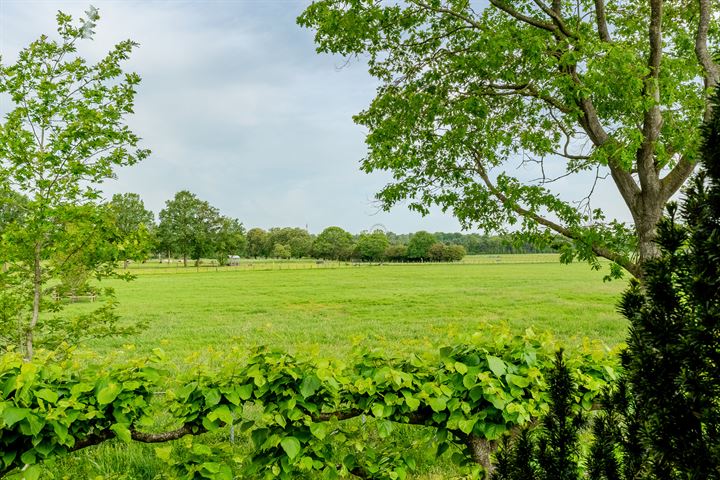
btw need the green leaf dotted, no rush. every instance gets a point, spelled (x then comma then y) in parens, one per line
(466, 426)
(212, 397)
(378, 409)
(122, 431)
(291, 445)
(245, 391)
(437, 404)
(493, 431)
(12, 415)
(517, 380)
(385, 428)
(163, 453)
(318, 430)
(461, 368)
(108, 394)
(309, 385)
(222, 413)
(47, 395)
(496, 365)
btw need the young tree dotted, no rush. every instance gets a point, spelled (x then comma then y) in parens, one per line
(609, 88)
(135, 224)
(188, 225)
(64, 134)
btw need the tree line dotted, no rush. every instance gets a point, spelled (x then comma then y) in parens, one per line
(189, 228)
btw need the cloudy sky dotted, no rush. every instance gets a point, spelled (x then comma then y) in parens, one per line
(238, 108)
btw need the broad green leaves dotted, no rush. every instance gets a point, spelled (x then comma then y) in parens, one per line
(312, 416)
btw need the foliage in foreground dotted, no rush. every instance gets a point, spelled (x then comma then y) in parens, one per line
(296, 412)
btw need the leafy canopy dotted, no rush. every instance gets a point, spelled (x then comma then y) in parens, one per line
(579, 90)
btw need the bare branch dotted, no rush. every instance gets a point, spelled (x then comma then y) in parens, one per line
(143, 437)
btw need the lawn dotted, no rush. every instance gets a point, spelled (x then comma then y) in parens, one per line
(330, 308)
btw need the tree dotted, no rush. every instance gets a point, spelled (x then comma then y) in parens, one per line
(135, 224)
(333, 243)
(281, 251)
(229, 239)
(64, 134)
(419, 245)
(455, 253)
(372, 246)
(189, 225)
(587, 89)
(297, 239)
(257, 240)
(396, 253)
(661, 418)
(437, 252)
(668, 399)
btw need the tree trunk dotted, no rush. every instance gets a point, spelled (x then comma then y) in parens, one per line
(37, 296)
(481, 451)
(646, 218)
(184, 260)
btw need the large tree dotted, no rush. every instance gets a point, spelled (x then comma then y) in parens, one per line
(65, 132)
(582, 88)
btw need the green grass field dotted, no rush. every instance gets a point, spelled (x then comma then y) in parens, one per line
(329, 308)
(332, 308)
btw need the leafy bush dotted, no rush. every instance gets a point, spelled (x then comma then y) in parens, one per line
(468, 395)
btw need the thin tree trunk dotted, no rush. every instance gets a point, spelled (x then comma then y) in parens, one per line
(37, 296)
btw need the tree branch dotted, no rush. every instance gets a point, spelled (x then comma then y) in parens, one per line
(554, 14)
(598, 250)
(675, 179)
(550, 27)
(712, 71)
(601, 21)
(470, 21)
(652, 119)
(143, 437)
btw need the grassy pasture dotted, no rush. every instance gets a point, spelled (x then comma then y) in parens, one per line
(328, 308)
(331, 307)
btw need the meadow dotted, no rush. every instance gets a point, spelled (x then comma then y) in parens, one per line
(328, 309)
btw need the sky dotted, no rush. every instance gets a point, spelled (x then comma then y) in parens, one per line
(238, 108)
